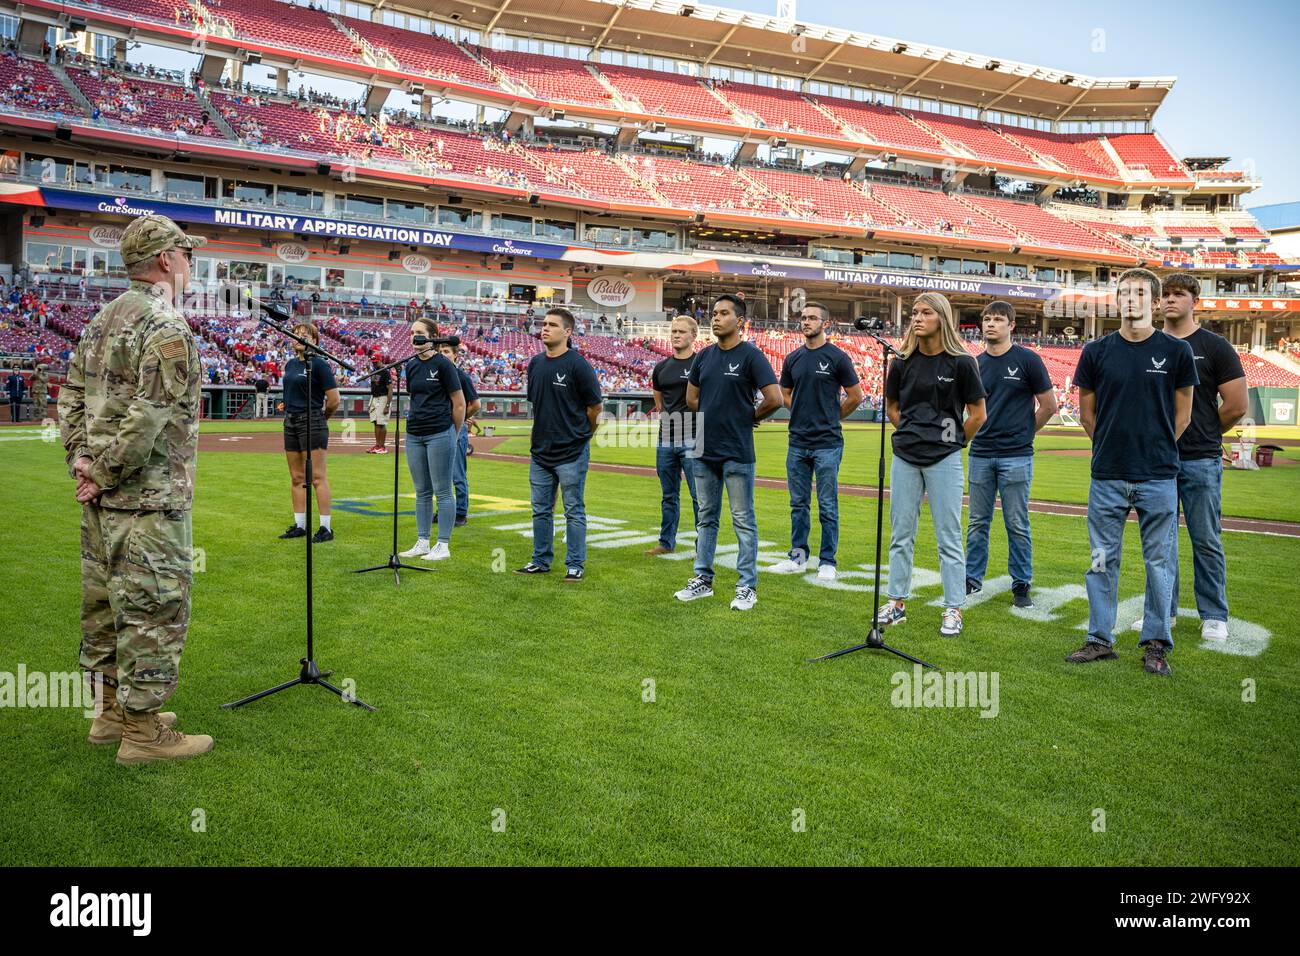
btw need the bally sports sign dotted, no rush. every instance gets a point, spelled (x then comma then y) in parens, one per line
(611, 292)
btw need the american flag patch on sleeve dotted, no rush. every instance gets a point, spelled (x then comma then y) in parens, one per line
(173, 349)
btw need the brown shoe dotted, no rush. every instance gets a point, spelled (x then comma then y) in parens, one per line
(145, 739)
(1092, 651)
(657, 550)
(107, 727)
(1153, 658)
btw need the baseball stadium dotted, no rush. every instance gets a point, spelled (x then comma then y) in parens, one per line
(611, 184)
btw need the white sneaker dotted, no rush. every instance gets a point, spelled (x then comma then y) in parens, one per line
(1214, 630)
(826, 572)
(421, 547)
(1137, 625)
(438, 552)
(789, 566)
(696, 587)
(744, 600)
(951, 625)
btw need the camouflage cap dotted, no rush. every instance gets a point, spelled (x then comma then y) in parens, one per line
(150, 235)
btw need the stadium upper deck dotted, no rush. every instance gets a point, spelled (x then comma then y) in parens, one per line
(834, 70)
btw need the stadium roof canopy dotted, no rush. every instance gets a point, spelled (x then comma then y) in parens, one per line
(1278, 217)
(756, 41)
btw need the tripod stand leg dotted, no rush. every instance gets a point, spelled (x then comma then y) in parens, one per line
(264, 693)
(346, 698)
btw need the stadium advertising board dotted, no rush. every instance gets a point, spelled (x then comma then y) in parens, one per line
(885, 278)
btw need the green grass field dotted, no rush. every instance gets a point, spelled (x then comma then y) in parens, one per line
(523, 700)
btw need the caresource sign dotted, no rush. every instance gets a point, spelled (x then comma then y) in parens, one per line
(611, 292)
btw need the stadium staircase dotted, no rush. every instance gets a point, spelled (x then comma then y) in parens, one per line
(1005, 224)
(212, 23)
(741, 116)
(622, 100)
(953, 148)
(214, 114)
(551, 173)
(65, 81)
(498, 75)
(369, 52)
(640, 180)
(1041, 158)
(849, 133)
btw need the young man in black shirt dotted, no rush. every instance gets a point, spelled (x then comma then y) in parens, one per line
(1002, 451)
(381, 396)
(263, 389)
(565, 396)
(451, 349)
(676, 430)
(1218, 403)
(813, 379)
(1135, 400)
(721, 387)
(935, 400)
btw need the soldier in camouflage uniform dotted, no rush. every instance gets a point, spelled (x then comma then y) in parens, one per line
(40, 392)
(129, 418)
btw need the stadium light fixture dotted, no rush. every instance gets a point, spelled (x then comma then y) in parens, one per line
(1066, 80)
(687, 11)
(900, 48)
(992, 65)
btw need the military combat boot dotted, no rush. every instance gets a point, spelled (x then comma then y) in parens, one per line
(107, 727)
(145, 738)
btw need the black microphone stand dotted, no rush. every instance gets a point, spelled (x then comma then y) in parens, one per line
(394, 559)
(875, 639)
(311, 674)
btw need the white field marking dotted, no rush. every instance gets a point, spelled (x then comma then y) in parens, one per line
(34, 436)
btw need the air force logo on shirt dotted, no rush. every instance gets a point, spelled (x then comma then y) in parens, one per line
(1159, 365)
(559, 379)
(733, 370)
(823, 368)
(1013, 374)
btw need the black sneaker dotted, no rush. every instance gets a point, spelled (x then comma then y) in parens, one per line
(973, 587)
(1092, 651)
(1020, 596)
(322, 535)
(531, 568)
(462, 520)
(574, 574)
(1153, 658)
(294, 532)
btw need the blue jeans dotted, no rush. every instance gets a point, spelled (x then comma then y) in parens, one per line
(1200, 486)
(801, 464)
(1109, 501)
(570, 479)
(460, 478)
(431, 459)
(738, 476)
(670, 462)
(942, 481)
(1009, 477)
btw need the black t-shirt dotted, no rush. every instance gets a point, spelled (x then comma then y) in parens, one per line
(467, 386)
(432, 383)
(295, 384)
(932, 392)
(560, 389)
(817, 377)
(1216, 362)
(1011, 380)
(380, 383)
(1135, 384)
(262, 385)
(670, 378)
(728, 380)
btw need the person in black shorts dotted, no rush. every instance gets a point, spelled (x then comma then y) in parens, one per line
(303, 425)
